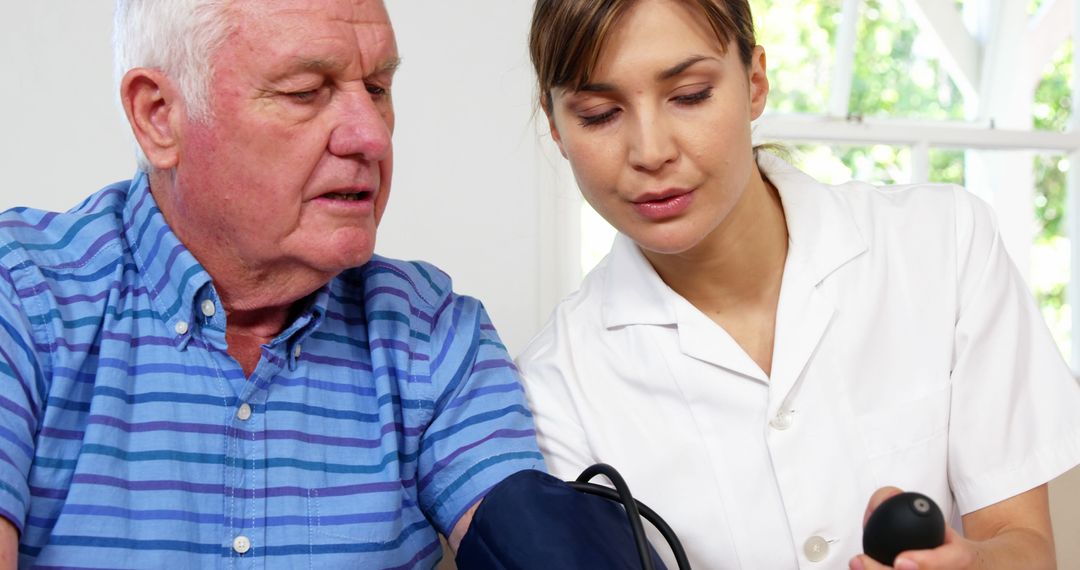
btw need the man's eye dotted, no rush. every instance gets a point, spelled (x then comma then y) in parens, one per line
(376, 90)
(305, 96)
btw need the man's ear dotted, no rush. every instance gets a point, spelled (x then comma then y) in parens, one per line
(555, 136)
(153, 110)
(759, 83)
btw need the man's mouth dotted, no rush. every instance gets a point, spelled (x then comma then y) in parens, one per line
(347, 196)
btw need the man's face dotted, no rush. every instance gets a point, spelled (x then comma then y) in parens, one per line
(292, 172)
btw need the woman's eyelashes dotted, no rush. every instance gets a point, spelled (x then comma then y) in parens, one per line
(695, 97)
(689, 99)
(598, 118)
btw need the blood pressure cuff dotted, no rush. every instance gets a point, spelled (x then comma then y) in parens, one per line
(532, 520)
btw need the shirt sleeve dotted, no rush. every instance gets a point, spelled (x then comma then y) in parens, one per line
(1015, 411)
(21, 381)
(481, 430)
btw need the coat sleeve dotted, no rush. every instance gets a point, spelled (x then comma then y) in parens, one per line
(548, 371)
(1015, 409)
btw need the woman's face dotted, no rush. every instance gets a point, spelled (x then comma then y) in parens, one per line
(659, 140)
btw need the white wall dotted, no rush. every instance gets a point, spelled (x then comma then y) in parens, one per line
(469, 160)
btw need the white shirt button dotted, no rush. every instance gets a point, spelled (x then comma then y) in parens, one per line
(241, 544)
(181, 327)
(208, 308)
(816, 549)
(243, 412)
(781, 421)
(297, 350)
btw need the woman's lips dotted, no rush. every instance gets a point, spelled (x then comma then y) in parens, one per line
(667, 205)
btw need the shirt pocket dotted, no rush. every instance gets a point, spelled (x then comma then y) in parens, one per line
(906, 444)
(355, 514)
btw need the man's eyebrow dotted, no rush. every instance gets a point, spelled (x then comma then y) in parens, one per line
(315, 64)
(680, 67)
(390, 66)
(325, 65)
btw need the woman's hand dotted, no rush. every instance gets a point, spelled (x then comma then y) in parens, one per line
(955, 554)
(1014, 533)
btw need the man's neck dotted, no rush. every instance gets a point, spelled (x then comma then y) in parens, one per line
(248, 329)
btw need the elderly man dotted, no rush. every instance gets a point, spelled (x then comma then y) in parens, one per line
(207, 366)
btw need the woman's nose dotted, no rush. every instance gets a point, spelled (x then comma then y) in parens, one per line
(653, 144)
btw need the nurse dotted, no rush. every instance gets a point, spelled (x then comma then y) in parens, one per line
(764, 357)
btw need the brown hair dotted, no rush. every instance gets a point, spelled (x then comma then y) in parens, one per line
(567, 35)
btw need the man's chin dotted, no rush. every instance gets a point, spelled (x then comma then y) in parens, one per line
(333, 263)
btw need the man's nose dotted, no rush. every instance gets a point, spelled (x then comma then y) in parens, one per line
(652, 144)
(363, 130)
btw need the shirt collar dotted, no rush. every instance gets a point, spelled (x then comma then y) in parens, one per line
(171, 274)
(181, 290)
(822, 232)
(822, 236)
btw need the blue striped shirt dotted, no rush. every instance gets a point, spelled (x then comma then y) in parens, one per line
(129, 438)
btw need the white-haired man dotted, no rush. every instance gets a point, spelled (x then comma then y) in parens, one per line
(207, 366)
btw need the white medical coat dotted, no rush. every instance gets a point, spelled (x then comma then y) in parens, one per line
(908, 352)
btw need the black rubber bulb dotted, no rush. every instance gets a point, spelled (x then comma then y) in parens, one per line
(908, 521)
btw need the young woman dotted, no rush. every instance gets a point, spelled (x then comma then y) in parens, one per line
(764, 357)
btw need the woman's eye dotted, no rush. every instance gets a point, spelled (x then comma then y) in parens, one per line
(695, 97)
(599, 118)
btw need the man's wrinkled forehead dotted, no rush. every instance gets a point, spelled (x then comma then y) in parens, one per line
(286, 27)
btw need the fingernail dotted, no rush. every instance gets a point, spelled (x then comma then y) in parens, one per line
(856, 564)
(905, 564)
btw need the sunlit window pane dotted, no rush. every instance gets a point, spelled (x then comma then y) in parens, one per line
(798, 37)
(876, 164)
(897, 70)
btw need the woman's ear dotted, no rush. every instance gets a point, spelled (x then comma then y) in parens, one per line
(554, 134)
(549, 112)
(151, 104)
(759, 83)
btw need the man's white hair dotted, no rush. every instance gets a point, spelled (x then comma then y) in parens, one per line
(177, 37)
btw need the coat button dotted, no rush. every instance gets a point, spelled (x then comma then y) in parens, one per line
(816, 549)
(781, 421)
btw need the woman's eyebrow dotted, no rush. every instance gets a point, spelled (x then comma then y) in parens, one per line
(681, 67)
(661, 76)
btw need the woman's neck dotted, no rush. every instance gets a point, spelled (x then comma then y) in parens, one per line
(733, 276)
(741, 261)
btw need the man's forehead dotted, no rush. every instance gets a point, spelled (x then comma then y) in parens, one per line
(295, 32)
(360, 13)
